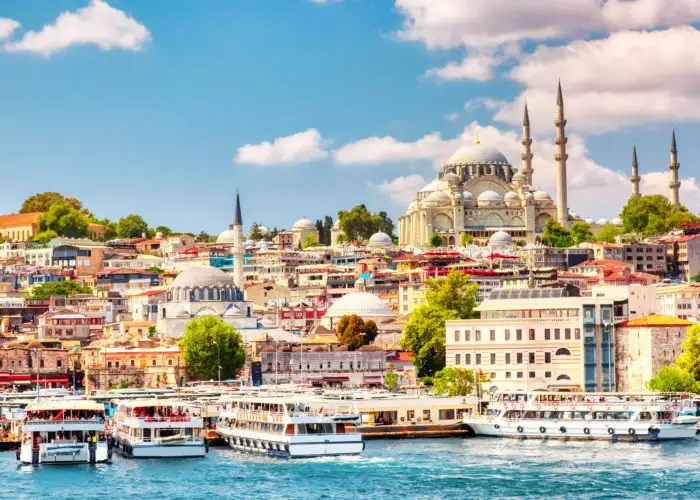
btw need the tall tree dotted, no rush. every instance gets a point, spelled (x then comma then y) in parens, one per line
(385, 224)
(435, 240)
(424, 336)
(556, 235)
(255, 233)
(360, 224)
(327, 227)
(64, 220)
(452, 382)
(319, 228)
(608, 233)
(453, 292)
(164, 230)
(673, 379)
(48, 290)
(354, 332)
(209, 343)
(653, 215)
(581, 232)
(689, 360)
(42, 202)
(131, 226)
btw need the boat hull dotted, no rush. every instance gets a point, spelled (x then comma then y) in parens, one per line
(415, 431)
(147, 450)
(278, 446)
(49, 454)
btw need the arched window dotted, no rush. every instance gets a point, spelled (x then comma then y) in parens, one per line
(563, 377)
(205, 294)
(215, 294)
(563, 351)
(197, 294)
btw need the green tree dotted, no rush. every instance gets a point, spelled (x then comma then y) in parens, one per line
(48, 290)
(131, 226)
(653, 215)
(151, 331)
(391, 381)
(384, 223)
(42, 202)
(45, 236)
(673, 379)
(255, 233)
(360, 224)
(695, 278)
(65, 221)
(205, 237)
(424, 336)
(689, 360)
(454, 292)
(581, 232)
(327, 226)
(309, 241)
(435, 240)
(608, 233)
(156, 270)
(556, 235)
(453, 382)
(467, 239)
(123, 384)
(164, 230)
(354, 332)
(209, 341)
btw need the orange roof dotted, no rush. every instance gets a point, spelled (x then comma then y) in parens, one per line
(655, 320)
(604, 263)
(20, 219)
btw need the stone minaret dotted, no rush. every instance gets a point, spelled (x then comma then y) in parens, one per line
(673, 167)
(238, 245)
(635, 173)
(526, 155)
(560, 156)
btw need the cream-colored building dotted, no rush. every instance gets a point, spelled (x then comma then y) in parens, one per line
(411, 295)
(643, 346)
(304, 230)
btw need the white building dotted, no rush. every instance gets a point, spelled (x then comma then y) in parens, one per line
(679, 301)
(366, 305)
(302, 230)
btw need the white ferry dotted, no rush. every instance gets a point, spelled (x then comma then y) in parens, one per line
(547, 415)
(289, 428)
(155, 428)
(63, 432)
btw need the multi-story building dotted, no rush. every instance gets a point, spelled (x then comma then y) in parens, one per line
(175, 244)
(683, 255)
(539, 339)
(605, 251)
(64, 324)
(411, 295)
(284, 240)
(646, 257)
(39, 256)
(592, 267)
(126, 279)
(19, 227)
(641, 299)
(643, 346)
(274, 265)
(680, 301)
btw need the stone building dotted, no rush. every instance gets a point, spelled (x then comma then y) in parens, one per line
(302, 230)
(64, 324)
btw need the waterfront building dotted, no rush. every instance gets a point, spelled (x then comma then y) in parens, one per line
(18, 365)
(539, 339)
(643, 346)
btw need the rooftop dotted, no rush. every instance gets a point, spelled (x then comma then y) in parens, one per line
(655, 320)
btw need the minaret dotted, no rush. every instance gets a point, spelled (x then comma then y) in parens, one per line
(635, 173)
(560, 157)
(526, 155)
(673, 167)
(238, 245)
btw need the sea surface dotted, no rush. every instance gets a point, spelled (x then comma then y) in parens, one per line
(445, 468)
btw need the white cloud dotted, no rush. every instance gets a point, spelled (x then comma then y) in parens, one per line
(477, 67)
(7, 27)
(451, 116)
(401, 190)
(97, 24)
(293, 149)
(607, 82)
(451, 23)
(587, 180)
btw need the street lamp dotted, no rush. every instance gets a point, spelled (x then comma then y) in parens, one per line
(218, 359)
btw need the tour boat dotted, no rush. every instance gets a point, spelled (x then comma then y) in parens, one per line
(288, 428)
(155, 428)
(63, 432)
(558, 415)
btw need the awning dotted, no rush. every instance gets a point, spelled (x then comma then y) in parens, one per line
(372, 379)
(335, 379)
(19, 377)
(51, 380)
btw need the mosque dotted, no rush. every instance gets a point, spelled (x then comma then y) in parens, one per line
(479, 193)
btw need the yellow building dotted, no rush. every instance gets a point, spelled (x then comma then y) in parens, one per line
(19, 227)
(411, 295)
(643, 346)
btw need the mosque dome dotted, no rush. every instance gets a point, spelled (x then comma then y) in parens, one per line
(264, 229)
(511, 196)
(528, 196)
(363, 304)
(477, 154)
(380, 240)
(304, 224)
(500, 239)
(451, 177)
(203, 283)
(519, 177)
(336, 224)
(227, 237)
(437, 196)
(589, 221)
(467, 195)
(433, 186)
(457, 196)
(617, 221)
(602, 221)
(489, 196)
(542, 195)
(202, 276)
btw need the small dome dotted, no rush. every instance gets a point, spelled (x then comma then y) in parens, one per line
(574, 215)
(542, 195)
(380, 240)
(528, 196)
(477, 154)
(511, 196)
(304, 224)
(437, 196)
(336, 224)
(489, 196)
(617, 221)
(264, 229)
(361, 303)
(433, 186)
(203, 276)
(227, 237)
(602, 221)
(467, 195)
(589, 221)
(500, 239)
(451, 177)
(520, 177)
(457, 196)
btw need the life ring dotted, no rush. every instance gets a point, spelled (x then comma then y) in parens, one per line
(586, 431)
(562, 429)
(631, 431)
(402, 419)
(667, 415)
(653, 431)
(555, 405)
(590, 407)
(543, 430)
(611, 431)
(520, 429)
(496, 426)
(666, 406)
(522, 406)
(675, 405)
(418, 419)
(608, 407)
(539, 406)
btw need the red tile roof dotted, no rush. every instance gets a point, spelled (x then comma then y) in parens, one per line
(14, 220)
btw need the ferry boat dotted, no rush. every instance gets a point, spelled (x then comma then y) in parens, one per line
(155, 428)
(63, 432)
(610, 416)
(289, 428)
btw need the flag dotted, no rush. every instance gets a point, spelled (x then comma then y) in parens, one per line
(320, 410)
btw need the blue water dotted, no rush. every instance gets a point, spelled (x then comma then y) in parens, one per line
(449, 468)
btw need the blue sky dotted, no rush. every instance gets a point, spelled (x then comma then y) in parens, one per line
(148, 106)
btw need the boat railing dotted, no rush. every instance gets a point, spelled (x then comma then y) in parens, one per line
(61, 421)
(605, 405)
(166, 419)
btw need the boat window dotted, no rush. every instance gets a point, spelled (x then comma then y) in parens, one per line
(426, 414)
(446, 414)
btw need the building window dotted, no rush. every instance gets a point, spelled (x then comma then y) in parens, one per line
(478, 359)
(507, 333)
(492, 335)
(547, 334)
(531, 334)
(577, 333)
(532, 375)
(153, 363)
(116, 364)
(477, 335)
(507, 374)
(557, 334)
(170, 362)
(467, 359)
(109, 364)
(41, 363)
(547, 374)
(519, 358)
(531, 358)
(567, 333)
(493, 358)
(563, 351)
(493, 375)
(467, 335)
(456, 335)
(518, 334)
(520, 375)
(133, 362)
(457, 359)
(507, 358)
